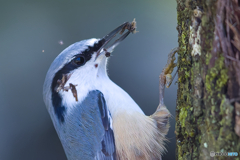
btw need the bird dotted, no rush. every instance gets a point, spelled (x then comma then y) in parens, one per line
(94, 118)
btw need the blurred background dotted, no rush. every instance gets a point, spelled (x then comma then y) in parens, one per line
(30, 35)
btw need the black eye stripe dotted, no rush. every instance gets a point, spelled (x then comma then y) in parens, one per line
(67, 68)
(79, 61)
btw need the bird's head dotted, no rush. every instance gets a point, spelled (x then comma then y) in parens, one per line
(78, 68)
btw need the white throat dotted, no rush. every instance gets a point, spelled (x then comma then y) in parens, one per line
(117, 100)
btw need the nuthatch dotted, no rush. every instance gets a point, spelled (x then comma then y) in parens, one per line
(94, 118)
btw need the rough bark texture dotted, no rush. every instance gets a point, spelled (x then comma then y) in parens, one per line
(208, 109)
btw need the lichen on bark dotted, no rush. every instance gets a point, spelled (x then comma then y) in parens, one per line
(205, 114)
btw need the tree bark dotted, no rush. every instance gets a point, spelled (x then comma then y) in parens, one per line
(208, 102)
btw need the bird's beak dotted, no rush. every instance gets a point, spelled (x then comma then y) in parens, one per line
(131, 27)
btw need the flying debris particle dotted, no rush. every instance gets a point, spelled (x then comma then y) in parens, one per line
(107, 54)
(74, 91)
(42, 50)
(60, 42)
(63, 81)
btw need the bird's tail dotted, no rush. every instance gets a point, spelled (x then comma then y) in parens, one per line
(161, 116)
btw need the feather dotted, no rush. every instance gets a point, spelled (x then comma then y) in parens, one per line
(108, 144)
(86, 132)
(138, 137)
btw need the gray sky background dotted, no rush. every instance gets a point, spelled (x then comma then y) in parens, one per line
(28, 27)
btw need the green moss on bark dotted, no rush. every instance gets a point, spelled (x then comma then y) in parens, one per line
(204, 115)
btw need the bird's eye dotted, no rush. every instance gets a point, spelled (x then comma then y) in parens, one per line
(79, 61)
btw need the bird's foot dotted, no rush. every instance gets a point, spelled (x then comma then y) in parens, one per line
(165, 78)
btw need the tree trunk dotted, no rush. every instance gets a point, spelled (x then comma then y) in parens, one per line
(208, 103)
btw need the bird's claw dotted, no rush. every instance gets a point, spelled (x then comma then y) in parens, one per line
(165, 78)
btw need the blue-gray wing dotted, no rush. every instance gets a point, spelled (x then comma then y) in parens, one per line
(88, 130)
(108, 151)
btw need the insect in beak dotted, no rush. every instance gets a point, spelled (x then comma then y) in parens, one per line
(131, 27)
